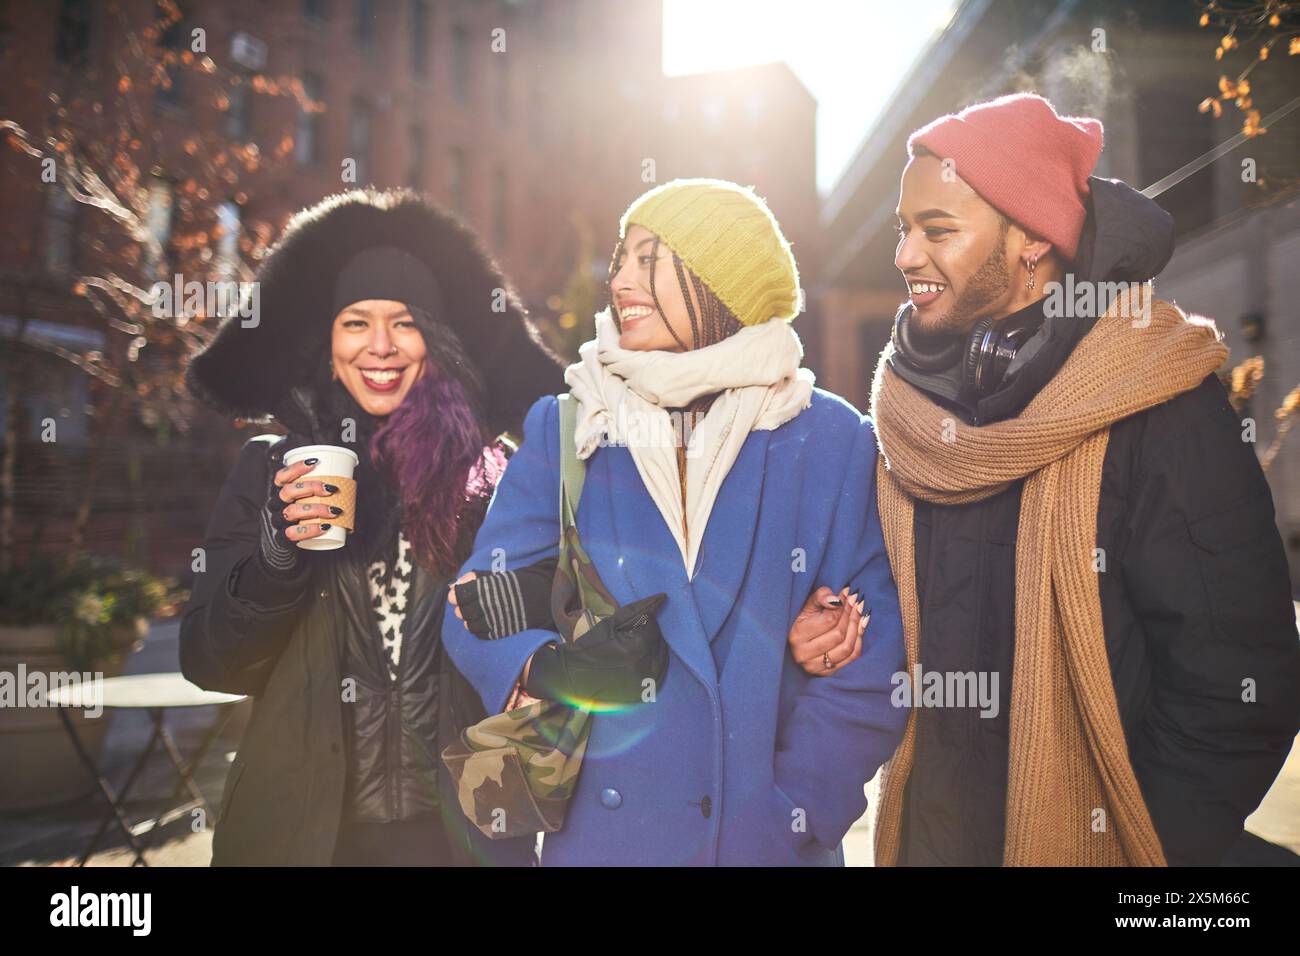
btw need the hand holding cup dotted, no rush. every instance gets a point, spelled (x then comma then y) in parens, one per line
(318, 511)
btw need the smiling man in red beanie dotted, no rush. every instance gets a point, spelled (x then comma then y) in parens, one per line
(1073, 519)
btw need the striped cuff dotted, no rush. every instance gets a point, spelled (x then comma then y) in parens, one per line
(502, 603)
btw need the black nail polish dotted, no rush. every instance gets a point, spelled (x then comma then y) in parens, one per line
(834, 602)
(336, 511)
(325, 527)
(330, 489)
(310, 461)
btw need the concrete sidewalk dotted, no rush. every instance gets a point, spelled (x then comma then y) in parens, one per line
(57, 836)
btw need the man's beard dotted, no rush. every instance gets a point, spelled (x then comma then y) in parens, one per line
(989, 283)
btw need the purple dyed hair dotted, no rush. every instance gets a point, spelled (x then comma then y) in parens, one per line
(432, 447)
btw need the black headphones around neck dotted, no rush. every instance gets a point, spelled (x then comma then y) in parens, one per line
(984, 353)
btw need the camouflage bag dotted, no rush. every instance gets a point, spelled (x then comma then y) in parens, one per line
(516, 771)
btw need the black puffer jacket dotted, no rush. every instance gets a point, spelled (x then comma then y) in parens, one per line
(390, 725)
(1195, 600)
(319, 749)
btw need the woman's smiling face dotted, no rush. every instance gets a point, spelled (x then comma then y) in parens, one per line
(378, 353)
(641, 326)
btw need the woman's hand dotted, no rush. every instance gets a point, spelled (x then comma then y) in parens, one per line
(496, 604)
(301, 522)
(827, 632)
(451, 592)
(515, 695)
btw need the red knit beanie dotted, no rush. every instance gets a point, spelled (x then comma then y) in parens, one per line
(1026, 161)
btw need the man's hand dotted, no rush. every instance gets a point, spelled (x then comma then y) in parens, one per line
(827, 632)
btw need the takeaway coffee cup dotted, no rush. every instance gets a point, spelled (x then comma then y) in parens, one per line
(335, 467)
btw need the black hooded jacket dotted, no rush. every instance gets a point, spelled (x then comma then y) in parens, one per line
(332, 740)
(1195, 595)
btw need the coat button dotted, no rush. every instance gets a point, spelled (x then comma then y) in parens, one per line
(611, 799)
(706, 806)
(324, 594)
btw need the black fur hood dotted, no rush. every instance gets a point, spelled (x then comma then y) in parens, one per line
(250, 372)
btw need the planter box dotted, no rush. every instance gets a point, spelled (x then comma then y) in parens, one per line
(41, 766)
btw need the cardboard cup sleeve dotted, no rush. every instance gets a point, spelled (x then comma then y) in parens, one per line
(345, 498)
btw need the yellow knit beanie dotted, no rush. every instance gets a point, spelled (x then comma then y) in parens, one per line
(728, 237)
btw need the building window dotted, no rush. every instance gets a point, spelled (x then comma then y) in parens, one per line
(239, 114)
(6, 29)
(228, 225)
(420, 37)
(73, 41)
(306, 144)
(415, 162)
(363, 28)
(158, 222)
(457, 172)
(359, 138)
(460, 63)
(500, 210)
(172, 40)
(1168, 136)
(61, 212)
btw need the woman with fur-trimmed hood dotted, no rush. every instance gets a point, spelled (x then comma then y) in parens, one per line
(384, 328)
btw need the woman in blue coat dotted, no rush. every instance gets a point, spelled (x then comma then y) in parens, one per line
(763, 496)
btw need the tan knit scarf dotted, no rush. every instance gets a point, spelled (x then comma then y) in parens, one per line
(1072, 796)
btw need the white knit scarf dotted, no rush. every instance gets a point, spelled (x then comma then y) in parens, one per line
(623, 397)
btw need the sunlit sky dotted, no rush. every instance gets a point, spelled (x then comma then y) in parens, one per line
(850, 54)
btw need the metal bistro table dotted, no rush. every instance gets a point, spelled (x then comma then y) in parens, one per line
(157, 694)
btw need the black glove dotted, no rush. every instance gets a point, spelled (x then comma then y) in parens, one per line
(278, 555)
(609, 663)
(497, 604)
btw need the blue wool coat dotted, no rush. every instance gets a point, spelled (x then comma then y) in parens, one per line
(742, 758)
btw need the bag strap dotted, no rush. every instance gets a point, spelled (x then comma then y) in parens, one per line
(573, 472)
